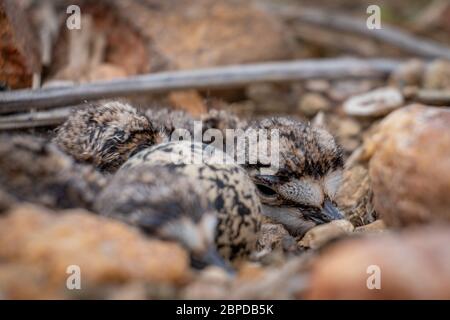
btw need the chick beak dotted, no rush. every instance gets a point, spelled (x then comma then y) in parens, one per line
(212, 257)
(330, 212)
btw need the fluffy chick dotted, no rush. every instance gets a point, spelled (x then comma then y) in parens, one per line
(34, 170)
(106, 135)
(226, 186)
(165, 205)
(299, 193)
(169, 120)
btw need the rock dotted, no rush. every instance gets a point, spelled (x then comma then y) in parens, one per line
(355, 196)
(106, 71)
(188, 100)
(312, 103)
(317, 85)
(321, 234)
(343, 89)
(204, 33)
(281, 282)
(408, 74)
(412, 265)
(19, 50)
(374, 103)
(107, 47)
(287, 281)
(109, 254)
(410, 167)
(211, 283)
(347, 127)
(374, 227)
(437, 75)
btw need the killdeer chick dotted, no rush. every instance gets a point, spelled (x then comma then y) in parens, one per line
(165, 205)
(226, 186)
(299, 193)
(106, 134)
(169, 120)
(34, 170)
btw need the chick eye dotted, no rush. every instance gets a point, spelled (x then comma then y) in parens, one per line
(265, 190)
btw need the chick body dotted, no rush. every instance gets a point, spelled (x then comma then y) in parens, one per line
(226, 187)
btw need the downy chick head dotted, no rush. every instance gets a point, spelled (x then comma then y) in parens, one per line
(226, 186)
(307, 176)
(165, 205)
(106, 134)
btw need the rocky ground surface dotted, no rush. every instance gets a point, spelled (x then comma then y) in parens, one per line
(397, 160)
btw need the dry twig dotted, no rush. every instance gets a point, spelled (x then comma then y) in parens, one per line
(212, 78)
(339, 22)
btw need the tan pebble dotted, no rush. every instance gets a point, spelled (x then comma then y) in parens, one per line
(321, 234)
(374, 227)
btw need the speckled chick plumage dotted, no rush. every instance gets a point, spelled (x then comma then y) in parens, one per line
(34, 170)
(162, 204)
(226, 186)
(307, 176)
(106, 134)
(169, 120)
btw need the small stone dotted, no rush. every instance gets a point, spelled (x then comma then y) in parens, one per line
(408, 74)
(211, 283)
(216, 275)
(374, 227)
(410, 167)
(317, 85)
(312, 103)
(410, 265)
(250, 272)
(19, 50)
(374, 103)
(321, 234)
(106, 71)
(188, 100)
(437, 75)
(348, 128)
(343, 89)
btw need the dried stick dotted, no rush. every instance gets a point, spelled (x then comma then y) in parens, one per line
(35, 119)
(390, 35)
(430, 96)
(212, 78)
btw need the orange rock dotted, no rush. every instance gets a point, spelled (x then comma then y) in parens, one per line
(412, 265)
(410, 167)
(19, 51)
(188, 100)
(203, 33)
(106, 71)
(108, 253)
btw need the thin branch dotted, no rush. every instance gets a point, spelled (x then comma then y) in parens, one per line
(339, 22)
(212, 78)
(431, 97)
(35, 119)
